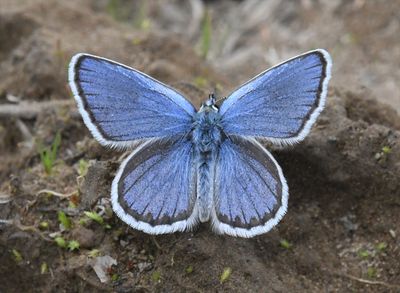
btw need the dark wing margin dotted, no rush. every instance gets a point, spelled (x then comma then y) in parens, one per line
(251, 194)
(282, 103)
(122, 106)
(155, 188)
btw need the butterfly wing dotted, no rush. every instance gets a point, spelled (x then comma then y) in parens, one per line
(282, 103)
(154, 189)
(251, 194)
(122, 106)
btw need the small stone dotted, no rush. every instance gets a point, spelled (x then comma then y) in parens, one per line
(55, 234)
(144, 266)
(142, 257)
(76, 262)
(332, 139)
(95, 183)
(392, 233)
(348, 223)
(84, 236)
(130, 275)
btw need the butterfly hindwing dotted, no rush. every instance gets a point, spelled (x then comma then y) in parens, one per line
(282, 103)
(251, 193)
(155, 187)
(122, 106)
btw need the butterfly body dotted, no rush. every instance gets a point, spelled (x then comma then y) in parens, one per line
(206, 136)
(191, 166)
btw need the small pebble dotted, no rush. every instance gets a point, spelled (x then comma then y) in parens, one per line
(348, 222)
(332, 139)
(84, 236)
(144, 266)
(142, 257)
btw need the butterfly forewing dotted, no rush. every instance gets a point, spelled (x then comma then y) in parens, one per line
(251, 193)
(155, 188)
(121, 105)
(282, 103)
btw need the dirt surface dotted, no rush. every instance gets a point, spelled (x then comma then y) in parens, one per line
(341, 232)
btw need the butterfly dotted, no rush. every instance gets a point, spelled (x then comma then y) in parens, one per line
(189, 166)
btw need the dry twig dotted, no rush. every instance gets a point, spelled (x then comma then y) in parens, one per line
(29, 110)
(58, 194)
(4, 198)
(369, 282)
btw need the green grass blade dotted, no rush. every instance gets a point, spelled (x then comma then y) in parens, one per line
(206, 35)
(54, 147)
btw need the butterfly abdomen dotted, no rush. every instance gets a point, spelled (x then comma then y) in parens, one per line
(206, 137)
(205, 188)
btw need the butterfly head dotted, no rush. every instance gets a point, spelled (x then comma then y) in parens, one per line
(207, 130)
(209, 104)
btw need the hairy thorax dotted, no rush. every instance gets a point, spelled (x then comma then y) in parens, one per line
(207, 132)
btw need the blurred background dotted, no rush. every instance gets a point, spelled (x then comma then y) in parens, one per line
(243, 38)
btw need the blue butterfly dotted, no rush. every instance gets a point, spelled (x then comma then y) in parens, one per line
(208, 165)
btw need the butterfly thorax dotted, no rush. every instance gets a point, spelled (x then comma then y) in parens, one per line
(207, 131)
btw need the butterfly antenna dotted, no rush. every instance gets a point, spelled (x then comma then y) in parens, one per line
(219, 101)
(210, 101)
(212, 98)
(215, 93)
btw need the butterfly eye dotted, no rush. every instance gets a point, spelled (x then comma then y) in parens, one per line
(211, 101)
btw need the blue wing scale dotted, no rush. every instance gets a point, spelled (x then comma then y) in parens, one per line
(155, 187)
(122, 106)
(282, 103)
(251, 193)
